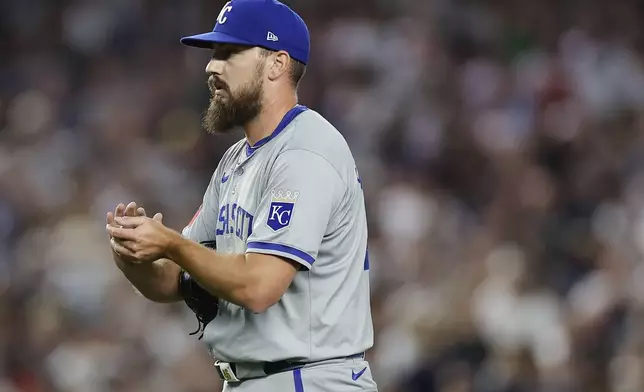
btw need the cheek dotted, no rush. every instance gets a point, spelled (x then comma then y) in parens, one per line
(235, 85)
(232, 81)
(241, 75)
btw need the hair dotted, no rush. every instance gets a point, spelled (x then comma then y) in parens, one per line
(296, 70)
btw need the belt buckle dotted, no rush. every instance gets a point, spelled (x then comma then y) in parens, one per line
(226, 372)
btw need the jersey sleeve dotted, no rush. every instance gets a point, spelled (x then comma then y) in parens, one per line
(296, 206)
(197, 227)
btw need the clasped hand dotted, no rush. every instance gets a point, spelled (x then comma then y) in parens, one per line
(139, 238)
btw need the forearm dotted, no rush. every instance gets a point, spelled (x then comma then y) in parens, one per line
(157, 281)
(226, 276)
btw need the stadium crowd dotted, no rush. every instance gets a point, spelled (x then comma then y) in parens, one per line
(501, 147)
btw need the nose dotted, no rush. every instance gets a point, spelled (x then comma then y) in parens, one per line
(214, 67)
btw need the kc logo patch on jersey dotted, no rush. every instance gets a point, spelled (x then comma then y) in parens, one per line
(281, 209)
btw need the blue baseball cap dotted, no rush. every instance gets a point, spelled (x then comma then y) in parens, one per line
(265, 23)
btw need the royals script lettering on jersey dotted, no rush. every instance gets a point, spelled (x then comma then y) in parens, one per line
(296, 194)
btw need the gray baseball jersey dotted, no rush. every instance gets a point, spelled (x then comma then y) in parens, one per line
(295, 194)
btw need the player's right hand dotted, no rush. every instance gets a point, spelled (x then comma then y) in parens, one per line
(122, 210)
(132, 209)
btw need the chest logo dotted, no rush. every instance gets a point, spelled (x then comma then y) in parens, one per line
(281, 209)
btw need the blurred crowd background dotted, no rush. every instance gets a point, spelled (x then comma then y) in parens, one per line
(501, 146)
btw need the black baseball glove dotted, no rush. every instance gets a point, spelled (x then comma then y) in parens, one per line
(200, 301)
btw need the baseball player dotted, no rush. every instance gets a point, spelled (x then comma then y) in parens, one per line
(274, 263)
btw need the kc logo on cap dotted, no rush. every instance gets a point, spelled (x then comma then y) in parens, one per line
(221, 19)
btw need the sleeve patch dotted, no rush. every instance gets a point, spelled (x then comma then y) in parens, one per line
(280, 210)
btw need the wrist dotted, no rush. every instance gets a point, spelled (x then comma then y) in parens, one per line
(173, 245)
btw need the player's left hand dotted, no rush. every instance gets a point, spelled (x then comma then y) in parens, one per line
(141, 238)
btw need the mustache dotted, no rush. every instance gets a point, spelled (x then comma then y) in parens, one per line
(215, 83)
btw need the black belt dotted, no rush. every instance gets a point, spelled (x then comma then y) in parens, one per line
(285, 365)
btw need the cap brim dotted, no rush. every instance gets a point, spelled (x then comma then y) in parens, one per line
(206, 40)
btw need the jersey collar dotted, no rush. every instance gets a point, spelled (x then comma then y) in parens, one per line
(288, 117)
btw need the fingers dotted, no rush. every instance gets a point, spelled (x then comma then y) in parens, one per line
(121, 233)
(121, 249)
(158, 217)
(122, 210)
(109, 220)
(131, 208)
(131, 222)
(119, 210)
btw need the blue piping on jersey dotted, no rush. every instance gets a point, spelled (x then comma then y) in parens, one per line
(283, 249)
(366, 261)
(288, 117)
(297, 380)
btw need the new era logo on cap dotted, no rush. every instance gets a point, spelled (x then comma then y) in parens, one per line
(266, 23)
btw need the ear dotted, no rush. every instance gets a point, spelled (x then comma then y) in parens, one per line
(279, 64)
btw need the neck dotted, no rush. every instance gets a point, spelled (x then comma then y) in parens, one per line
(268, 119)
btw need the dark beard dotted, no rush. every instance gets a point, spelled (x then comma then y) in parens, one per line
(223, 115)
